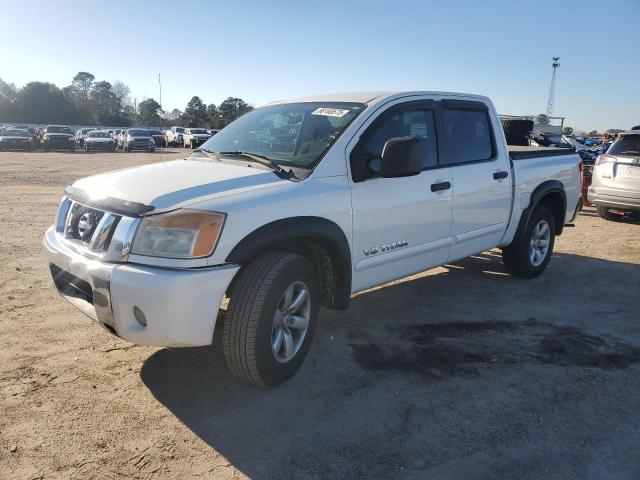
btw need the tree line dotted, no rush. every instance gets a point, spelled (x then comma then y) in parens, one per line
(87, 101)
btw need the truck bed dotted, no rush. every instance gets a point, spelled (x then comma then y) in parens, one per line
(517, 152)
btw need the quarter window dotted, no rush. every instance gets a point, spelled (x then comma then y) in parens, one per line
(469, 135)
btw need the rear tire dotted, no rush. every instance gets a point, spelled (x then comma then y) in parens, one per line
(260, 346)
(520, 259)
(604, 212)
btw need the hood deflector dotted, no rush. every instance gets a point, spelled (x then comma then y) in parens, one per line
(110, 204)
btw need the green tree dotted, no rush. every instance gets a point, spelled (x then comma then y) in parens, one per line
(8, 96)
(81, 84)
(195, 114)
(567, 131)
(214, 119)
(232, 108)
(41, 102)
(149, 112)
(104, 104)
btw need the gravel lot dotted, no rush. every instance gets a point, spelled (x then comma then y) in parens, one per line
(460, 372)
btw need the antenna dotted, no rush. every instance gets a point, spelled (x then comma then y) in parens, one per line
(552, 89)
(160, 87)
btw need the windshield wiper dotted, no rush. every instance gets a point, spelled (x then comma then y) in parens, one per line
(262, 160)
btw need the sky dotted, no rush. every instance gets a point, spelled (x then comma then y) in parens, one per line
(262, 51)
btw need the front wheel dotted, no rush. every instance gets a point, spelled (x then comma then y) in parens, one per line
(271, 318)
(528, 257)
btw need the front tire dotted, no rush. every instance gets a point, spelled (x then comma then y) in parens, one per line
(529, 257)
(271, 318)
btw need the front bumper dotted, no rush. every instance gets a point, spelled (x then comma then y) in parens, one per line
(180, 306)
(59, 144)
(141, 145)
(614, 198)
(15, 144)
(101, 145)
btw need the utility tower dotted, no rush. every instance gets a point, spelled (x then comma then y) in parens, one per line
(552, 90)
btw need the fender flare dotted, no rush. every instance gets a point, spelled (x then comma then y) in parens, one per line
(273, 235)
(542, 190)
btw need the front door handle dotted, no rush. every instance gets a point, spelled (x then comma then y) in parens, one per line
(500, 175)
(436, 187)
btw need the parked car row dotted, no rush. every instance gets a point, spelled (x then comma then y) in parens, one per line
(60, 137)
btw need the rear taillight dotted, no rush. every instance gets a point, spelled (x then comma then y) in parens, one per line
(604, 158)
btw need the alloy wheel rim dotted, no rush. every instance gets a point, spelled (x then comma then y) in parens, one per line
(539, 245)
(291, 322)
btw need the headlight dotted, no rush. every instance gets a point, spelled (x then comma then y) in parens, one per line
(71, 139)
(179, 234)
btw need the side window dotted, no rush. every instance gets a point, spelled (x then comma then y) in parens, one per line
(403, 123)
(468, 134)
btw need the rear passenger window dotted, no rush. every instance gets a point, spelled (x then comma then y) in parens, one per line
(405, 123)
(469, 135)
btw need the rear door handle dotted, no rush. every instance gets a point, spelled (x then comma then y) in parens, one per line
(436, 187)
(500, 175)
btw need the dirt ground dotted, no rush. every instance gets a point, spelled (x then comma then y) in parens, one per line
(460, 372)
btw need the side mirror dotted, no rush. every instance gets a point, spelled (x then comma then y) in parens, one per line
(401, 157)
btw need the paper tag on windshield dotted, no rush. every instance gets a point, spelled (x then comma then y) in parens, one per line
(330, 112)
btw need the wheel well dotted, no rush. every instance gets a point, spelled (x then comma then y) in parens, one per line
(555, 202)
(319, 240)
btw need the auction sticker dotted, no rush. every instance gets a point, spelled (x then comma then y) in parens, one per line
(330, 112)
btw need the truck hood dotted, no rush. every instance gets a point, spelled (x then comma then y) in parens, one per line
(169, 185)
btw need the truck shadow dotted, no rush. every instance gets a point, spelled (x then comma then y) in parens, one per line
(343, 416)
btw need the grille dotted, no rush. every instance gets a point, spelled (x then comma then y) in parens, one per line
(86, 228)
(82, 222)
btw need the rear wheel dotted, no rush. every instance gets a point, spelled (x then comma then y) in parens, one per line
(529, 257)
(271, 318)
(605, 213)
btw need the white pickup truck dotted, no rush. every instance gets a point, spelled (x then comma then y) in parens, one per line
(299, 204)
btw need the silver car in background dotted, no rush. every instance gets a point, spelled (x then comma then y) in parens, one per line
(615, 183)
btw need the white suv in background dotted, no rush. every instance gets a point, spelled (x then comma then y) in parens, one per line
(615, 183)
(194, 137)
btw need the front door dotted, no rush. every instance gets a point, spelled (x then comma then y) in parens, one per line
(401, 225)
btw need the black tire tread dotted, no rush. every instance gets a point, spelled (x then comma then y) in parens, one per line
(603, 212)
(515, 257)
(241, 320)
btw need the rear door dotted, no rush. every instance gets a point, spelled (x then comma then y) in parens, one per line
(480, 176)
(400, 225)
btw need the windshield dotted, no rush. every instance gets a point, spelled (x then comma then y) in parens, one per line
(156, 132)
(296, 134)
(56, 129)
(626, 145)
(138, 133)
(98, 135)
(198, 130)
(16, 133)
(179, 129)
